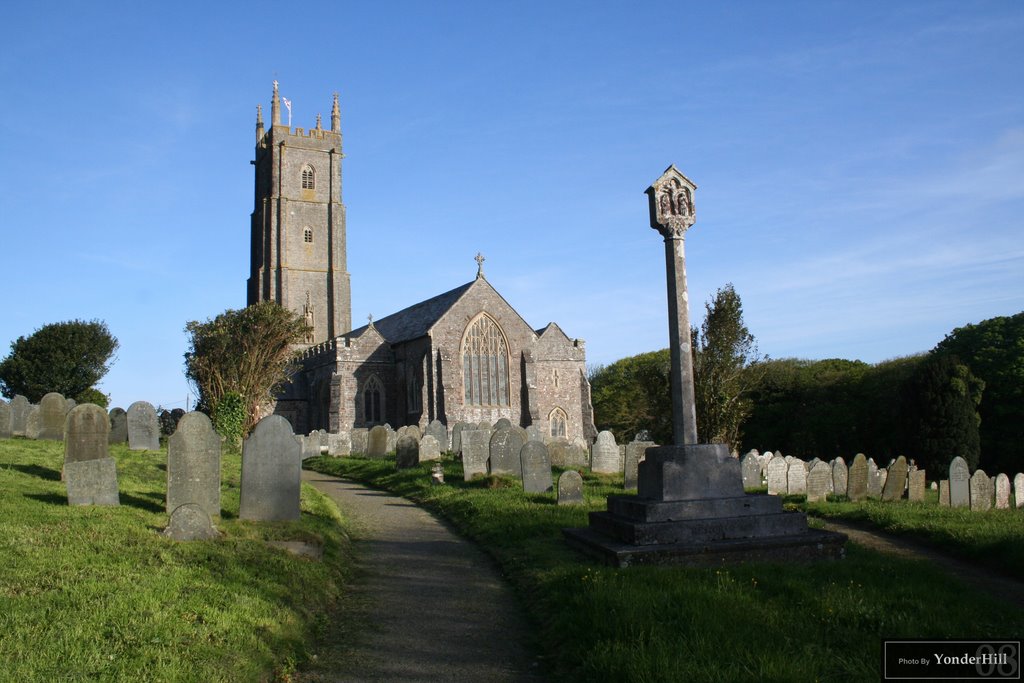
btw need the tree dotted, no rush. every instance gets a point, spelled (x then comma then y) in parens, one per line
(67, 357)
(632, 395)
(725, 358)
(248, 352)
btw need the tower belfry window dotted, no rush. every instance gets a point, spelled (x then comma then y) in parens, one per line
(308, 178)
(307, 235)
(485, 364)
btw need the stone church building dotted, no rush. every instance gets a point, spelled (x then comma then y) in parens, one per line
(463, 355)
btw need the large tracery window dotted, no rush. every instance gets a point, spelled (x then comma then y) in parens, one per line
(373, 401)
(485, 364)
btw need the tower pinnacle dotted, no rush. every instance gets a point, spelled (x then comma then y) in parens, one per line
(275, 107)
(335, 115)
(259, 122)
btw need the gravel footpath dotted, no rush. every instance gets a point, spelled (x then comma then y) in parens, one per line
(431, 606)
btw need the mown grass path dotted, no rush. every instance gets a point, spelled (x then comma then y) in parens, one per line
(437, 608)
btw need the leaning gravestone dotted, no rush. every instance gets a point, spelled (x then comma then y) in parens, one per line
(339, 444)
(570, 488)
(429, 448)
(959, 483)
(915, 485)
(407, 452)
(271, 472)
(143, 427)
(751, 467)
(636, 451)
(796, 478)
(1002, 492)
(377, 442)
(840, 477)
(857, 481)
(193, 465)
(118, 426)
(981, 491)
(536, 466)
(604, 454)
(944, 493)
(51, 417)
(5, 419)
(440, 434)
(896, 480)
(1018, 491)
(85, 434)
(190, 522)
(778, 476)
(475, 452)
(359, 437)
(505, 446)
(19, 415)
(33, 424)
(817, 481)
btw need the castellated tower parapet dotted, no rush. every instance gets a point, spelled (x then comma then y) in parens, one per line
(298, 249)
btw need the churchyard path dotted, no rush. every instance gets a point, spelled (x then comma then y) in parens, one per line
(1002, 587)
(425, 605)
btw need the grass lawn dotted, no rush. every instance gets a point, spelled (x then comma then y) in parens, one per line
(757, 622)
(97, 593)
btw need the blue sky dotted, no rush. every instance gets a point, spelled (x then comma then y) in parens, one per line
(860, 164)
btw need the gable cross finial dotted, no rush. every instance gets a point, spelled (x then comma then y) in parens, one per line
(479, 264)
(369, 319)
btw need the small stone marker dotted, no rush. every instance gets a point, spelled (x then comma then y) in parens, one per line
(193, 466)
(85, 435)
(359, 436)
(436, 473)
(429, 448)
(896, 480)
(377, 442)
(440, 434)
(92, 482)
(857, 481)
(796, 478)
(981, 491)
(407, 452)
(1002, 492)
(504, 447)
(118, 426)
(271, 472)
(143, 427)
(840, 477)
(5, 419)
(778, 476)
(189, 522)
(339, 445)
(915, 486)
(751, 467)
(570, 488)
(959, 483)
(475, 452)
(1018, 491)
(944, 493)
(51, 417)
(817, 481)
(604, 454)
(19, 415)
(536, 466)
(635, 453)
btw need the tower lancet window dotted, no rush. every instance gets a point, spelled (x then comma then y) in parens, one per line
(308, 178)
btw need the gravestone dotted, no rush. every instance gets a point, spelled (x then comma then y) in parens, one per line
(429, 448)
(360, 437)
(193, 465)
(92, 482)
(604, 454)
(536, 466)
(523, 434)
(503, 423)
(457, 436)
(19, 415)
(778, 476)
(751, 467)
(1018, 490)
(5, 419)
(579, 451)
(534, 433)
(407, 452)
(561, 452)
(32, 423)
(51, 417)
(874, 480)
(392, 441)
(310, 445)
(1002, 492)
(377, 442)
(190, 522)
(959, 483)
(504, 447)
(817, 481)
(485, 426)
(896, 480)
(857, 480)
(118, 426)
(635, 451)
(944, 493)
(85, 434)
(915, 485)
(69, 403)
(796, 478)
(570, 488)
(840, 477)
(143, 427)
(475, 452)
(339, 445)
(981, 491)
(271, 471)
(413, 431)
(440, 434)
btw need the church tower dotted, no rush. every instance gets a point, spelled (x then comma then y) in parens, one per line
(298, 222)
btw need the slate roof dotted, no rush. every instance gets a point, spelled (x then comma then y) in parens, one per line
(416, 320)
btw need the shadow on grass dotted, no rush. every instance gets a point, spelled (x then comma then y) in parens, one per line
(51, 498)
(38, 471)
(140, 503)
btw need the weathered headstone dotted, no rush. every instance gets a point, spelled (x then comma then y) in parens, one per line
(896, 480)
(92, 482)
(407, 452)
(360, 437)
(339, 445)
(751, 467)
(392, 438)
(193, 465)
(857, 482)
(19, 415)
(69, 403)
(796, 479)
(536, 466)
(485, 426)
(503, 423)
(523, 434)
(457, 430)
(5, 419)
(534, 433)
(604, 454)
(840, 477)
(377, 442)
(778, 476)
(570, 488)
(981, 491)
(118, 426)
(944, 492)
(475, 452)
(875, 480)
(143, 427)
(85, 434)
(959, 483)
(310, 445)
(33, 423)
(190, 522)
(635, 452)
(915, 485)
(505, 446)
(429, 448)
(51, 416)
(1002, 492)
(440, 434)
(271, 471)
(817, 481)
(413, 431)
(1018, 490)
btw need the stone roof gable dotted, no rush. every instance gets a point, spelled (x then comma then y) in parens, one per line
(416, 320)
(553, 330)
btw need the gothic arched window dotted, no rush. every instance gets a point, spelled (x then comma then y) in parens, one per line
(485, 363)
(307, 236)
(308, 178)
(373, 401)
(557, 420)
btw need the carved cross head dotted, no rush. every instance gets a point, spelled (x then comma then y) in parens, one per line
(670, 201)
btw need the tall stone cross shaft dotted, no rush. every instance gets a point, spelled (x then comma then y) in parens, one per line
(670, 200)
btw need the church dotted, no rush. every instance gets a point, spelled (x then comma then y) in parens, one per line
(464, 355)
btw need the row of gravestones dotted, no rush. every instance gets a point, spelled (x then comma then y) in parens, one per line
(979, 491)
(787, 475)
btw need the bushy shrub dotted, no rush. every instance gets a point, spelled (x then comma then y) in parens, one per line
(92, 395)
(229, 419)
